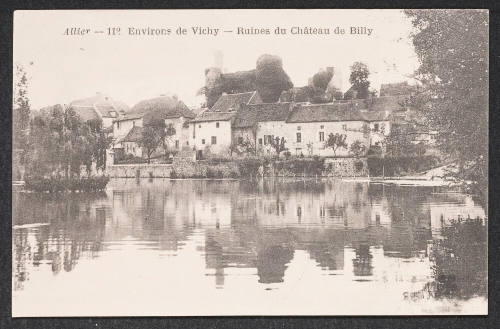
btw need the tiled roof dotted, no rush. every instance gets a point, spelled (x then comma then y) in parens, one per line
(325, 113)
(249, 115)
(134, 135)
(160, 108)
(214, 116)
(386, 103)
(376, 115)
(102, 103)
(86, 113)
(231, 102)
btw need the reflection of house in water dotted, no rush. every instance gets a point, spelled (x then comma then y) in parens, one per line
(249, 246)
(362, 263)
(312, 202)
(324, 245)
(167, 211)
(76, 227)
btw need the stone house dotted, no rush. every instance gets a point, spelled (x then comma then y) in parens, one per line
(309, 125)
(305, 127)
(175, 114)
(211, 130)
(130, 142)
(255, 124)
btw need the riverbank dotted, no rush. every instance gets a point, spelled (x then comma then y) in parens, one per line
(251, 167)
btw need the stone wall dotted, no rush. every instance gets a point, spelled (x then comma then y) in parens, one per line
(346, 167)
(139, 170)
(204, 169)
(186, 168)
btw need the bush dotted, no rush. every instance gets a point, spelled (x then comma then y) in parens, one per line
(249, 167)
(393, 166)
(359, 165)
(61, 184)
(130, 159)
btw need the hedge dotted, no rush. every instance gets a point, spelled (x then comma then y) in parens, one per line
(60, 184)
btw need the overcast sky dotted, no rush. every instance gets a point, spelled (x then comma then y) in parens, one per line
(132, 68)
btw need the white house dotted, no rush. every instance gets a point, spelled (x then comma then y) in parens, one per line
(174, 114)
(211, 130)
(309, 126)
(254, 124)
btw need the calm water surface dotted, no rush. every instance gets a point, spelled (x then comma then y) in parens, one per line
(196, 247)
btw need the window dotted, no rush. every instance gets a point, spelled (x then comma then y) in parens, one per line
(321, 136)
(299, 137)
(133, 123)
(240, 140)
(344, 127)
(268, 139)
(118, 124)
(214, 140)
(321, 127)
(187, 143)
(260, 141)
(177, 144)
(375, 127)
(203, 141)
(298, 127)
(216, 125)
(199, 126)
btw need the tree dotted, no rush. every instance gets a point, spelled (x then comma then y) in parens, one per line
(151, 139)
(357, 149)
(165, 134)
(336, 141)
(60, 143)
(359, 79)
(244, 146)
(21, 109)
(452, 46)
(100, 143)
(400, 142)
(278, 144)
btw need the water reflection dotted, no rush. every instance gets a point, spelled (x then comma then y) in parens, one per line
(400, 240)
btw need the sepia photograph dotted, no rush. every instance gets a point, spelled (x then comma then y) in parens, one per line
(232, 162)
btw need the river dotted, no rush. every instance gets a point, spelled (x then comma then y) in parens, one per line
(224, 247)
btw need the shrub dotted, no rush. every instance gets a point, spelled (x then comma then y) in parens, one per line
(359, 165)
(130, 159)
(394, 166)
(61, 184)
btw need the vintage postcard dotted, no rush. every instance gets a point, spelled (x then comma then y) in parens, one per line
(250, 162)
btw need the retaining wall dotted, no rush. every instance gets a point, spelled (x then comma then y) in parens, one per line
(139, 170)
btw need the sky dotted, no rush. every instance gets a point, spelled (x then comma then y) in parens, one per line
(132, 68)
